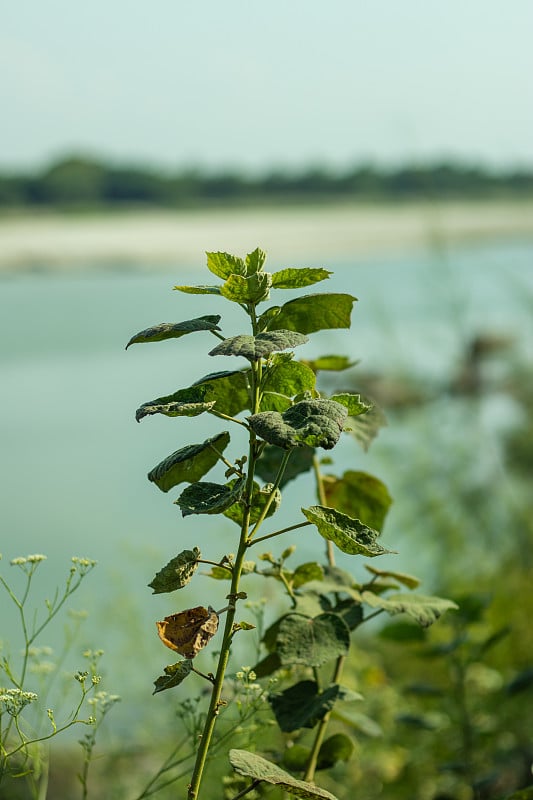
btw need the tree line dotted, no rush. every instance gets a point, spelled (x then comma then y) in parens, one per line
(89, 182)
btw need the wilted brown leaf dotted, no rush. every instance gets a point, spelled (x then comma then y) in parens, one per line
(188, 631)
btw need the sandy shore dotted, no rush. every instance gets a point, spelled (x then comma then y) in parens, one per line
(319, 234)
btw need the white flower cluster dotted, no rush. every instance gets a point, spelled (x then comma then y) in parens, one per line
(14, 700)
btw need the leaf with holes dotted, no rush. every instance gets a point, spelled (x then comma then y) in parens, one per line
(209, 498)
(174, 330)
(350, 535)
(177, 573)
(190, 463)
(259, 769)
(188, 632)
(312, 641)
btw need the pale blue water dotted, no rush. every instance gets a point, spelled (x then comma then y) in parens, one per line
(74, 461)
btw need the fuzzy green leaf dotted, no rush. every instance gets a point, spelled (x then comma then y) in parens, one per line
(360, 496)
(285, 377)
(253, 766)
(350, 535)
(177, 573)
(302, 705)
(190, 463)
(254, 261)
(353, 402)
(198, 289)
(424, 610)
(224, 264)
(171, 330)
(251, 289)
(317, 423)
(229, 391)
(209, 498)
(297, 277)
(313, 642)
(256, 347)
(300, 461)
(174, 675)
(313, 312)
(260, 497)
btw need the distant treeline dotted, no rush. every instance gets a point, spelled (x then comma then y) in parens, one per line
(87, 182)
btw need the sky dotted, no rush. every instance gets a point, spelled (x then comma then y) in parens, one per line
(283, 84)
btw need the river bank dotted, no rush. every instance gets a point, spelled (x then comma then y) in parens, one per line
(170, 239)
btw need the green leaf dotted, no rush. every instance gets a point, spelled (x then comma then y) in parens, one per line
(188, 402)
(223, 265)
(353, 402)
(296, 757)
(209, 498)
(360, 496)
(267, 467)
(252, 289)
(311, 571)
(366, 427)
(198, 289)
(350, 535)
(174, 675)
(190, 463)
(229, 391)
(302, 705)
(219, 573)
(256, 347)
(338, 747)
(253, 766)
(177, 573)
(330, 363)
(260, 497)
(317, 423)
(313, 312)
(297, 277)
(408, 580)
(521, 794)
(360, 722)
(425, 610)
(170, 330)
(254, 261)
(312, 642)
(285, 377)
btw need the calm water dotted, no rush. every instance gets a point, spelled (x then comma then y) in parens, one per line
(74, 461)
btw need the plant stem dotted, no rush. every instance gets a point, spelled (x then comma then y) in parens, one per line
(278, 533)
(322, 727)
(321, 494)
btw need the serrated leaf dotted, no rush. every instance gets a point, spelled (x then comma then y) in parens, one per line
(254, 348)
(338, 747)
(331, 363)
(302, 705)
(209, 498)
(260, 497)
(366, 427)
(353, 402)
(198, 289)
(297, 277)
(360, 496)
(408, 580)
(314, 312)
(251, 289)
(174, 330)
(254, 261)
(300, 461)
(424, 610)
(174, 675)
(317, 423)
(253, 766)
(229, 390)
(350, 535)
(312, 641)
(190, 463)
(177, 573)
(224, 264)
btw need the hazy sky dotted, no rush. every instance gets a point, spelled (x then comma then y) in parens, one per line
(229, 83)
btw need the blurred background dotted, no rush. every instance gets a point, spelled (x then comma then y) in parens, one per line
(391, 143)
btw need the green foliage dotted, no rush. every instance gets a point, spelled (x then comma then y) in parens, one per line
(305, 649)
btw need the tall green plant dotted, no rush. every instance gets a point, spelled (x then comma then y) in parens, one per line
(274, 401)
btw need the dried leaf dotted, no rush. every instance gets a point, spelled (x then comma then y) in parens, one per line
(187, 632)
